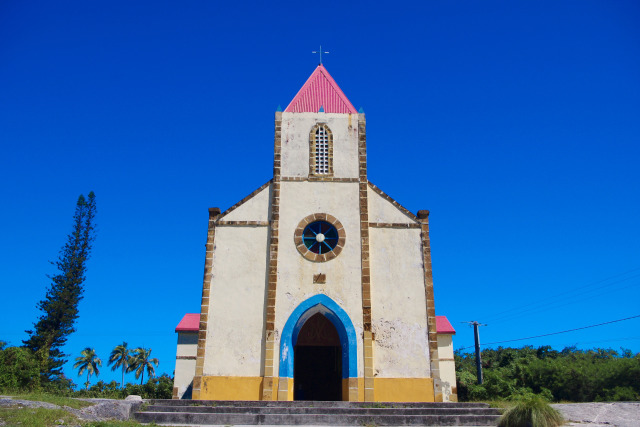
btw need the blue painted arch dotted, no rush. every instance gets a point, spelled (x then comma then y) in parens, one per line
(340, 320)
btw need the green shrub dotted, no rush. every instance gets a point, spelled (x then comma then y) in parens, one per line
(531, 410)
(617, 394)
(19, 370)
(572, 374)
(155, 388)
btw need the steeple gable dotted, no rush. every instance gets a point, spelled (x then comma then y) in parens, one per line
(320, 92)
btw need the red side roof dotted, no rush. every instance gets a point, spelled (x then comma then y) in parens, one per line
(189, 323)
(443, 326)
(320, 90)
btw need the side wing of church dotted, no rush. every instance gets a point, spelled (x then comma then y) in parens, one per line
(318, 285)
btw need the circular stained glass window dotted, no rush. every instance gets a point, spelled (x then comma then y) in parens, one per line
(320, 237)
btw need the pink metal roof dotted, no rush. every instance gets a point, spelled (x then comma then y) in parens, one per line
(320, 90)
(189, 323)
(443, 326)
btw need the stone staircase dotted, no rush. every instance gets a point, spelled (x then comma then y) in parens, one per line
(201, 412)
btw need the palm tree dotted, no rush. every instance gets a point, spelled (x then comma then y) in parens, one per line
(142, 360)
(120, 358)
(89, 362)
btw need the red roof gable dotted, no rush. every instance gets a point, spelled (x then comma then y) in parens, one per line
(443, 326)
(189, 323)
(320, 90)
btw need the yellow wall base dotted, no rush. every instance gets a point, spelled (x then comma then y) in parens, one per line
(385, 389)
(403, 389)
(231, 388)
(353, 389)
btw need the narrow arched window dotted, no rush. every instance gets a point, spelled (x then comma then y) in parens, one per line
(321, 151)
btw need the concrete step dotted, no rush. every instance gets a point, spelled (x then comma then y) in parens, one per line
(321, 410)
(189, 413)
(312, 403)
(184, 418)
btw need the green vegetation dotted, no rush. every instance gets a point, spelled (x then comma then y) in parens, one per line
(569, 375)
(59, 308)
(155, 388)
(20, 375)
(142, 360)
(36, 417)
(19, 369)
(89, 362)
(119, 357)
(52, 417)
(128, 423)
(531, 410)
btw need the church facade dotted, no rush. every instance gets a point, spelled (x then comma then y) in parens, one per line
(318, 285)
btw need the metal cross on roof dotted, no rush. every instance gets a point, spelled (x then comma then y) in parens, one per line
(320, 52)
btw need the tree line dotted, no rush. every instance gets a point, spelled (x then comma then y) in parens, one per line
(137, 360)
(37, 365)
(568, 375)
(20, 372)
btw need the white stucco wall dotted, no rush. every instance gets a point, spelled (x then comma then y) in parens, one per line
(185, 368)
(399, 318)
(236, 302)
(257, 208)
(295, 143)
(295, 273)
(447, 364)
(235, 331)
(381, 210)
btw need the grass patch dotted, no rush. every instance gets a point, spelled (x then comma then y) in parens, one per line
(56, 400)
(500, 404)
(36, 417)
(114, 424)
(531, 410)
(42, 417)
(374, 405)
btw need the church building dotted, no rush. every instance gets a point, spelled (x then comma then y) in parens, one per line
(318, 285)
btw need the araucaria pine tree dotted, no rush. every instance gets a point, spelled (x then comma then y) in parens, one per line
(59, 309)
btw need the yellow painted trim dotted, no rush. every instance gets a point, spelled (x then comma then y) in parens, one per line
(250, 388)
(231, 388)
(404, 389)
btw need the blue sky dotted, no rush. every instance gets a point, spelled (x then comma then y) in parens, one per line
(517, 124)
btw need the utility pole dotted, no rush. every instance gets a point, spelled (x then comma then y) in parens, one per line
(476, 334)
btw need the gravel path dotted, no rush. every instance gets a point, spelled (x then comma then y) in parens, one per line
(620, 414)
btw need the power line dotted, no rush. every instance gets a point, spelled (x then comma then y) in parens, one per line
(557, 333)
(562, 303)
(541, 303)
(611, 340)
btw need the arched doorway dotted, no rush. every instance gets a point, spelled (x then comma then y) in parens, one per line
(317, 371)
(347, 344)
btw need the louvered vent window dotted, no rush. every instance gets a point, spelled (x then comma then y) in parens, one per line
(322, 151)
